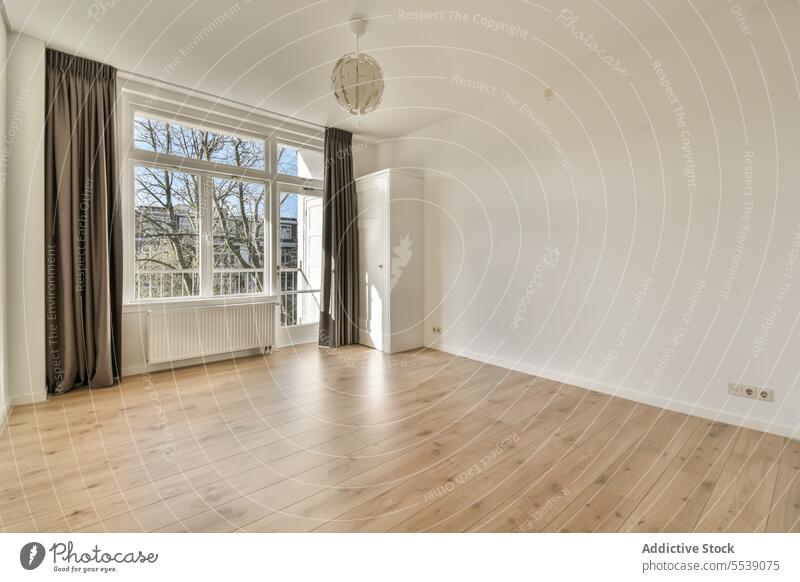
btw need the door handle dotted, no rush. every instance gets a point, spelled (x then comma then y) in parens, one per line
(380, 266)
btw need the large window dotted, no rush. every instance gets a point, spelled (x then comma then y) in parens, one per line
(204, 199)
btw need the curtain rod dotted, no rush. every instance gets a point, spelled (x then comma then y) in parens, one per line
(138, 76)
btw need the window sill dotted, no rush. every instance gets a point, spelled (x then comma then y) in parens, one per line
(192, 303)
(299, 326)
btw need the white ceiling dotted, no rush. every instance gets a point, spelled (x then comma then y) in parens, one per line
(278, 55)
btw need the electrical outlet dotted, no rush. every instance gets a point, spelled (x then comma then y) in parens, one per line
(754, 392)
(766, 394)
(437, 329)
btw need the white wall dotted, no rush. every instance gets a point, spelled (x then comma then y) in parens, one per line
(4, 399)
(607, 264)
(365, 157)
(24, 237)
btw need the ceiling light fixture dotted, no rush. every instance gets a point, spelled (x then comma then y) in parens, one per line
(357, 80)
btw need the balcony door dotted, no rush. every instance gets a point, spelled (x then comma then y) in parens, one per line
(300, 260)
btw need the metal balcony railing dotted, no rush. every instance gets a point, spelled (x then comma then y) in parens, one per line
(299, 305)
(166, 284)
(186, 283)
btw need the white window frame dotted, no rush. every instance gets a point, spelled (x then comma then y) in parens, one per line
(231, 122)
(280, 187)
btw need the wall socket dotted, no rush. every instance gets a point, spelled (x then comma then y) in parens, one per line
(754, 392)
(437, 329)
(766, 394)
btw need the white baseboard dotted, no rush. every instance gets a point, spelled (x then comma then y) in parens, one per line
(681, 406)
(23, 399)
(291, 345)
(151, 368)
(296, 335)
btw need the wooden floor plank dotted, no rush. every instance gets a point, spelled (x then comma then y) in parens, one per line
(571, 475)
(784, 515)
(284, 436)
(464, 505)
(742, 495)
(677, 498)
(608, 502)
(313, 511)
(285, 456)
(333, 478)
(317, 468)
(352, 439)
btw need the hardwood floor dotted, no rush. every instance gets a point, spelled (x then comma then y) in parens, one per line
(356, 440)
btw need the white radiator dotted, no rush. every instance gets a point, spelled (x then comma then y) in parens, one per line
(181, 334)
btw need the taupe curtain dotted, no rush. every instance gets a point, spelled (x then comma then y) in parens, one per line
(338, 321)
(82, 225)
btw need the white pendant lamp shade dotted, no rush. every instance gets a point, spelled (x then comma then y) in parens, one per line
(357, 82)
(357, 79)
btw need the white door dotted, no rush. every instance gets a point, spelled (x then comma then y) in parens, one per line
(312, 255)
(371, 282)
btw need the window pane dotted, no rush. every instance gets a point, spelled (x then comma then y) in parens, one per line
(299, 309)
(164, 137)
(301, 235)
(301, 257)
(167, 233)
(300, 162)
(238, 231)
